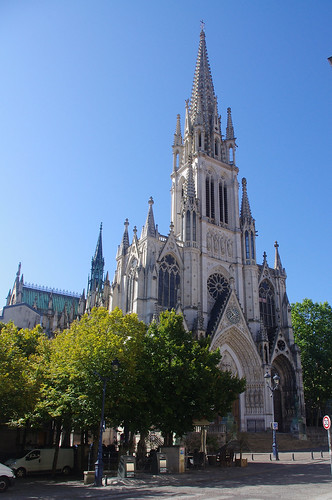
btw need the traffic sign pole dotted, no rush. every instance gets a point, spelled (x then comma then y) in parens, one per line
(327, 425)
(330, 452)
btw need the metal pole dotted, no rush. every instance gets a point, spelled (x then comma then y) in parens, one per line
(99, 465)
(274, 432)
(330, 451)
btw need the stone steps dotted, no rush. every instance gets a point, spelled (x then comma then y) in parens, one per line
(261, 442)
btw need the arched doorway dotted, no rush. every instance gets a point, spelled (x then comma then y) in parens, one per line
(285, 412)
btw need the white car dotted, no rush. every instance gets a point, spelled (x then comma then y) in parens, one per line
(7, 477)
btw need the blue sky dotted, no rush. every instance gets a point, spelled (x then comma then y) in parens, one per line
(89, 93)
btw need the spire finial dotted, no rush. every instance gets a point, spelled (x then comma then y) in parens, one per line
(229, 127)
(277, 260)
(245, 206)
(202, 26)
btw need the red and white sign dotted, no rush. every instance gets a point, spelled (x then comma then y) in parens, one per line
(326, 422)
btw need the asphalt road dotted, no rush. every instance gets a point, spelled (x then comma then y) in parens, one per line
(262, 480)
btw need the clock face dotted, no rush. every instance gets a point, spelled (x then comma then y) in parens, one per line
(233, 314)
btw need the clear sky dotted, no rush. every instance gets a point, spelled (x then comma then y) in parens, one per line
(89, 93)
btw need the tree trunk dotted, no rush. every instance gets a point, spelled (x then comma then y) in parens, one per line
(57, 445)
(168, 439)
(141, 450)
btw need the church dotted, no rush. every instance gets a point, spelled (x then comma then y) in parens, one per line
(205, 268)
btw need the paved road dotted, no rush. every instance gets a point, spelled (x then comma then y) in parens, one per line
(262, 480)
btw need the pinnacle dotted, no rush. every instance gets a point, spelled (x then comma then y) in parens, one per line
(245, 207)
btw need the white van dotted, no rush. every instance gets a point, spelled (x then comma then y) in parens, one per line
(41, 460)
(7, 477)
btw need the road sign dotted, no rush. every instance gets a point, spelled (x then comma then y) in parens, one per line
(326, 422)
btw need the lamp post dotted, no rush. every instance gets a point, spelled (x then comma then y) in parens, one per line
(274, 387)
(99, 465)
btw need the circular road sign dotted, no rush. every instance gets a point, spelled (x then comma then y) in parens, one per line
(326, 422)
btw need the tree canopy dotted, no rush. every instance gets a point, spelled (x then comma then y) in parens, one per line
(21, 370)
(312, 324)
(187, 385)
(166, 378)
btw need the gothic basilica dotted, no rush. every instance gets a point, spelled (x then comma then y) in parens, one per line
(206, 268)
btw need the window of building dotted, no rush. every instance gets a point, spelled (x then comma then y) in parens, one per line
(188, 231)
(169, 282)
(267, 304)
(131, 275)
(231, 155)
(223, 209)
(247, 245)
(194, 226)
(252, 246)
(209, 197)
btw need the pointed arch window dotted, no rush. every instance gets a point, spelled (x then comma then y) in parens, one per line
(247, 244)
(267, 305)
(199, 139)
(188, 229)
(223, 208)
(252, 246)
(209, 197)
(231, 154)
(131, 279)
(169, 282)
(194, 226)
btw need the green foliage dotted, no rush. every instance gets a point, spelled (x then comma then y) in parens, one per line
(187, 383)
(312, 323)
(166, 379)
(80, 358)
(21, 370)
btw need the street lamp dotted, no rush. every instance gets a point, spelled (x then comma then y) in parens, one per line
(99, 465)
(276, 380)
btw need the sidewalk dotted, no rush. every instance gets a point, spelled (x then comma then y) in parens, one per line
(262, 479)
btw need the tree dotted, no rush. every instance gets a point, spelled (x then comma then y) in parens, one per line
(80, 358)
(20, 370)
(187, 383)
(312, 324)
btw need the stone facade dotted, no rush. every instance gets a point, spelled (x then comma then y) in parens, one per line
(206, 266)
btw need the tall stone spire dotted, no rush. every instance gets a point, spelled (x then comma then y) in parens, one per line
(229, 128)
(277, 260)
(245, 207)
(178, 135)
(125, 239)
(149, 229)
(203, 100)
(99, 247)
(190, 191)
(96, 280)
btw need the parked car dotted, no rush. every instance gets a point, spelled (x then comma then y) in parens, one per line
(41, 460)
(7, 477)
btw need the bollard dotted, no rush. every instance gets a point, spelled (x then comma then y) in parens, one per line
(252, 457)
(293, 457)
(312, 455)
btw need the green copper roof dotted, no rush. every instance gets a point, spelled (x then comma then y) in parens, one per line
(35, 296)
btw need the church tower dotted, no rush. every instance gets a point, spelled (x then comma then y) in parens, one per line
(206, 266)
(98, 286)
